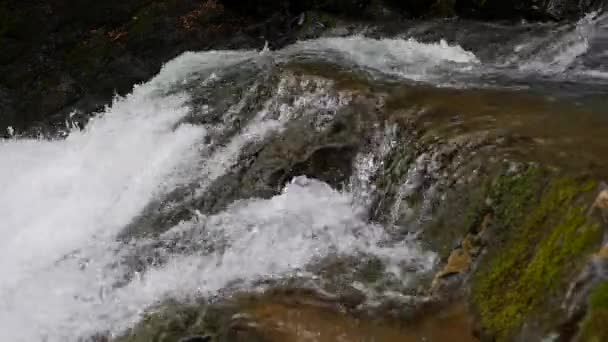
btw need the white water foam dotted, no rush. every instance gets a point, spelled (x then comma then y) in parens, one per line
(273, 117)
(190, 64)
(368, 164)
(65, 196)
(270, 239)
(64, 203)
(561, 53)
(595, 73)
(75, 195)
(406, 58)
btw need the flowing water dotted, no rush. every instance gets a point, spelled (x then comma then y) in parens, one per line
(104, 225)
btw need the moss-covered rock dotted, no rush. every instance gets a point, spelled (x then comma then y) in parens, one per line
(593, 328)
(542, 239)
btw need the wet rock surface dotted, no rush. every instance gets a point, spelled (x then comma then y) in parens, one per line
(516, 227)
(288, 315)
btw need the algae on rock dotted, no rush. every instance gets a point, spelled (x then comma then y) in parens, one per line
(542, 242)
(593, 328)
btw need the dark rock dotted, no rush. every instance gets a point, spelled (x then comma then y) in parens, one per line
(265, 7)
(414, 7)
(331, 164)
(205, 338)
(70, 55)
(528, 9)
(79, 54)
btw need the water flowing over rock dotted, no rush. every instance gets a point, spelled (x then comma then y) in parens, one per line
(73, 56)
(423, 183)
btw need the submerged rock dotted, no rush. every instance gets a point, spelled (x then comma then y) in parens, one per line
(296, 315)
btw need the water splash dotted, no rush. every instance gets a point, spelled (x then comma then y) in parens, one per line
(406, 58)
(72, 197)
(561, 53)
(65, 202)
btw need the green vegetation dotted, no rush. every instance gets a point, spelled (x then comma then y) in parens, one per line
(543, 242)
(599, 297)
(513, 193)
(593, 328)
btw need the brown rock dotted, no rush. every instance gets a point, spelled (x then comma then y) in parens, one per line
(459, 262)
(603, 253)
(602, 200)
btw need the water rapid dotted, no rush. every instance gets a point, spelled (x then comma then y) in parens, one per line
(90, 239)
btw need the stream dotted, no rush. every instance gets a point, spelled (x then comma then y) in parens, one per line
(244, 172)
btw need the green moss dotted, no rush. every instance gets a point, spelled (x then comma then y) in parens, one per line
(543, 242)
(477, 209)
(593, 328)
(513, 193)
(599, 297)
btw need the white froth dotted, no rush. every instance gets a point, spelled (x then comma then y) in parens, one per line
(64, 203)
(595, 73)
(58, 194)
(189, 64)
(73, 197)
(401, 57)
(272, 238)
(562, 53)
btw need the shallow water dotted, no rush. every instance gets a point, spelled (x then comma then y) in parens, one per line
(302, 320)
